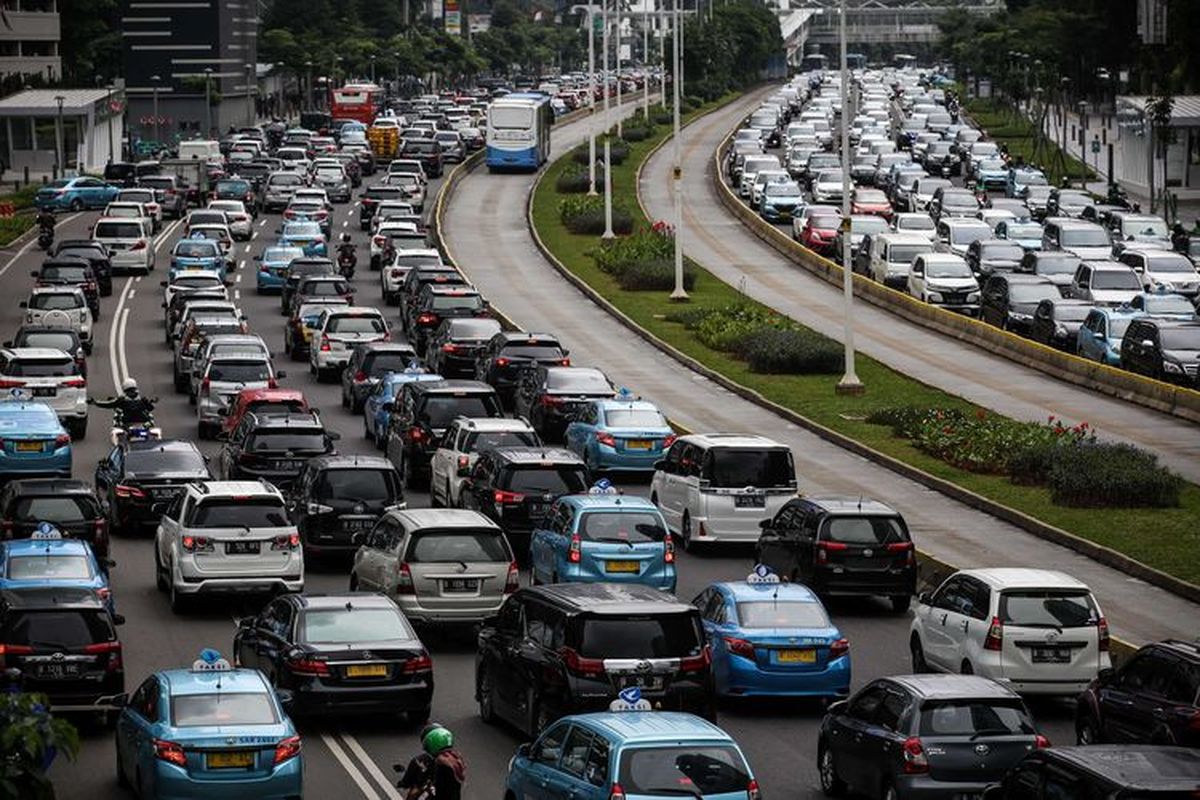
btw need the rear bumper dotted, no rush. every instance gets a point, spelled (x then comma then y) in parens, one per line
(316, 698)
(923, 787)
(240, 585)
(470, 611)
(57, 464)
(606, 457)
(728, 529)
(1048, 688)
(746, 679)
(283, 783)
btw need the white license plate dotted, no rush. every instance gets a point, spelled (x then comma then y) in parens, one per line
(460, 585)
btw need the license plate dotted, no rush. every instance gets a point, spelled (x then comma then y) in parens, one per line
(287, 465)
(241, 548)
(638, 444)
(651, 682)
(537, 509)
(797, 656)
(460, 585)
(163, 493)
(621, 566)
(356, 524)
(232, 759)
(44, 391)
(29, 447)
(57, 671)
(749, 501)
(367, 671)
(1051, 655)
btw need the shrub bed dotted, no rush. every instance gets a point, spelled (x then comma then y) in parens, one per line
(618, 151)
(584, 215)
(656, 274)
(789, 351)
(576, 181)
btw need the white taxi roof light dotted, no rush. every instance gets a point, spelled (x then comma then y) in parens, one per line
(603, 487)
(630, 699)
(210, 660)
(762, 575)
(46, 532)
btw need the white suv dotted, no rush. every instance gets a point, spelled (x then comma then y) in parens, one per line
(392, 276)
(227, 537)
(49, 376)
(225, 376)
(129, 242)
(338, 331)
(1038, 631)
(60, 307)
(466, 436)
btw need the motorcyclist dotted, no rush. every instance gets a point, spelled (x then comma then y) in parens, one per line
(1179, 237)
(130, 407)
(389, 252)
(437, 772)
(346, 248)
(46, 220)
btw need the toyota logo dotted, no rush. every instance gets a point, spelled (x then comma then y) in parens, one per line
(1052, 636)
(230, 740)
(982, 749)
(58, 657)
(644, 666)
(868, 553)
(360, 508)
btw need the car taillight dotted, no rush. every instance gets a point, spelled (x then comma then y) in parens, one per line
(616, 792)
(170, 751)
(606, 439)
(696, 663)
(915, 760)
(502, 497)
(906, 548)
(287, 748)
(1102, 630)
(995, 635)
(739, 647)
(502, 362)
(578, 665)
(669, 440)
(140, 244)
(308, 666)
(839, 648)
(90, 286)
(450, 348)
(75, 383)
(10, 384)
(272, 383)
(325, 346)
(752, 790)
(62, 440)
(113, 649)
(551, 400)
(564, 362)
(513, 581)
(196, 544)
(404, 581)
(286, 541)
(416, 433)
(669, 551)
(421, 663)
(1041, 742)
(124, 490)
(575, 552)
(360, 376)
(380, 241)
(205, 385)
(825, 548)
(426, 319)
(13, 650)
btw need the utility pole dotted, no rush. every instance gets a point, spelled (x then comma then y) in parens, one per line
(617, 64)
(591, 9)
(604, 66)
(250, 95)
(111, 113)
(154, 81)
(679, 294)
(208, 126)
(646, 61)
(60, 163)
(608, 228)
(849, 384)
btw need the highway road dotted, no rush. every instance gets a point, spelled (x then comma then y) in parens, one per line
(720, 243)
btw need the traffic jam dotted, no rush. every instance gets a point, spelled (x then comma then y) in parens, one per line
(343, 472)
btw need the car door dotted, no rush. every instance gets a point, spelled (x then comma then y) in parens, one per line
(937, 641)
(547, 540)
(847, 738)
(968, 625)
(509, 694)
(544, 757)
(135, 723)
(576, 769)
(168, 529)
(1133, 704)
(580, 428)
(108, 473)
(273, 638)
(445, 461)
(772, 547)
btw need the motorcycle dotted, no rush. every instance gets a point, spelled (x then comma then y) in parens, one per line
(347, 261)
(45, 238)
(135, 432)
(946, 167)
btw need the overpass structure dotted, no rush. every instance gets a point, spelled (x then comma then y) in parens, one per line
(883, 22)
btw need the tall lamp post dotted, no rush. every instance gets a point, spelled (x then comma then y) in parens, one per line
(58, 137)
(208, 126)
(372, 59)
(396, 55)
(646, 60)
(308, 92)
(679, 294)
(590, 10)
(111, 113)
(849, 384)
(617, 63)
(154, 81)
(251, 89)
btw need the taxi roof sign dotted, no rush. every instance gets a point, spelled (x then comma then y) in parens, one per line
(46, 532)
(762, 575)
(630, 699)
(210, 660)
(603, 486)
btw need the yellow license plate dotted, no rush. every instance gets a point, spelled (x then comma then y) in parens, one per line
(638, 444)
(366, 671)
(797, 656)
(29, 447)
(232, 759)
(621, 566)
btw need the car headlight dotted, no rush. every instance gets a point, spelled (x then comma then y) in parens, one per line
(933, 297)
(973, 297)
(1021, 317)
(1163, 285)
(1172, 367)
(1060, 330)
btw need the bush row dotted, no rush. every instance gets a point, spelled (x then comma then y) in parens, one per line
(584, 215)
(618, 152)
(576, 180)
(767, 342)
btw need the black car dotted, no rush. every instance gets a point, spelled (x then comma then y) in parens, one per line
(65, 339)
(436, 303)
(336, 497)
(340, 653)
(1153, 698)
(273, 447)
(841, 546)
(1056, 322)
(121, 173)
(549, 397)
(299, 268)
(236, 188)
(368, 363)
(94, 253)
(319, 288)
(418, 278)
(1058, 266)
(427, 151)
(1008, 300)
(454, 346)
(420, 415)
(139, 480)
(64, 642)
(74, 272)
(71, 506)
(990, 256)
(370, 199)
(567, 648)
(1103, 771)
(924, 736)
(179, 300)
(515, 487)
(1168, 350)
(508, 354)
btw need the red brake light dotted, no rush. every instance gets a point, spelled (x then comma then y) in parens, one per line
(416, 433)
(551, 400)
(669, 440)
(502, 362)
(995, 635)
(10, 384)
(325, 346)
(421, 663)
(287, 748)
(170, 751)
(564, 362)
(578, 665)
(426, 319)
(286, 541)
(62, 440)
(205, 384)
(696, 663)
(449, 348)
(360, 376)
(1041, 742)
(513, 581)
(575, 553)
(308, 666)
(607, 439)
(140, 244)
(501, 497)
(616, 792)
(75, 383)
(915, 760)
(122, 490)
(739, 647)
(752, 790)
(404, 581)
(1102, 630)
(825, 548)
(839, 648)
(669, 551)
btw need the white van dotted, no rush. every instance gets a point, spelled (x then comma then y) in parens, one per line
(718, 487)
(203, 149)
(892, 254)
(129, 242)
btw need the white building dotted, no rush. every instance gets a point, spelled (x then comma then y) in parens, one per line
(90, 122)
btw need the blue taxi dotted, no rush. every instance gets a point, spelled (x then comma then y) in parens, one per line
(625, 433)
(305, 235)
(47, 559)
(771, 638)
(377, 408)
(212, 731)
(1100, 335)
(632, 752)
(603, 537)
(273, 265)
(33, 441)
(197, 254)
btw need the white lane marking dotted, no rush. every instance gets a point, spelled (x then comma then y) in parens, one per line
(262, 222)
(28, 245)
(247, 250)
(242, 265)
(121, 341)
(253, 236)
(132, 292)
(374, 770)
(238, 278)
(347, 764)
(114, 329)
(237, 294)
(166, 233)
(137, 279)
(346, 224)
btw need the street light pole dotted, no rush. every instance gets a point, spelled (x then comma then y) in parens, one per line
(250, 91)
(604, 66)
(617, 63)
(849, 384)
(646, 61)
(679, 294)
(662, 62)
(372, 60)
(308, 91)
(208, 127)
(591, 9)
(608, 228)
(154, 81)
(111, 113)
(58, 138)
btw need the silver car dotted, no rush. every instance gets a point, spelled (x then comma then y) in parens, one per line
(224, 344)
(224, 377)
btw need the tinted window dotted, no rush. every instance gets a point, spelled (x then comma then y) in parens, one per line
(443, 302)
(149, 462)
(863, 530)
(357, 484)
(763, 614)
(1001, 252)
(559, 480)
(459, 545)
(634, 418)
(683, 771)
(43, 367)
(1047, 609)
(239, 371)
(971, 717)
(380, 363)
(489, 440)
(68, 274)
(57, 629)
(225, 708)
(53, 301)
(117, 230)
(1180, 338)
(1084, 237)
(622, 527)
(196, 250)
(264, 441)
(965, 234)
(1031, 293)
(266, 512)
(1116, 279)
(545, 351)
(584, 381)
(69, 567)
(1071, 313)
(342, 626)
(55, 509)
(905, 253)
(439, 410)
(737, 468)
(356, 324)
(1056, 266)
(661, 636)
(56, 340)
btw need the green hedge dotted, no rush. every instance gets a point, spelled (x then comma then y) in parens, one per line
(783, 351)
(577, 181)
(584, 214)
(654, 275)
(618, 152)
(1100, 475)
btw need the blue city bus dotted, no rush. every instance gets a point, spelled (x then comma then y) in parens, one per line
(518, 131)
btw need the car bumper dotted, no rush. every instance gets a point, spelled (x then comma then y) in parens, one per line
(57, 464)
(970, 309)
(314, 697)
(123, 259)
(278, 478)
(208, 410)
(664, 579)
(746, 679)
(1070, 687)
(453, 367)
(891, 583)
(923, 787)
(269, 280)
(608, 458)
(469, 611)
(727, 529)
(191, 584)
(330, 359)
(283, 783)
(140, 515)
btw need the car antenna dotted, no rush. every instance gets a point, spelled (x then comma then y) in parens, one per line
(860, 502)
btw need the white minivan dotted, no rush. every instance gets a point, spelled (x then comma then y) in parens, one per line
(718, 487)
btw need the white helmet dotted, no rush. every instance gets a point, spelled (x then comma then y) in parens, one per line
(129, 385)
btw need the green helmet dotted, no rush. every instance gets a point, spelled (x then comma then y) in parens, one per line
(436, 740)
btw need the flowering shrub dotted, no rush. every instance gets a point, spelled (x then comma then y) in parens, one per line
(641, 245)
(584, 214)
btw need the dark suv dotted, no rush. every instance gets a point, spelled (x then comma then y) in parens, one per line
(140, 480)
(841, 546)
(336, 497)
(454, 346)
(273, 447)
(568, 648)
(515, 487)
(1154, 698)
(74, 272)
(1008, 300)
(1168, 350)
(94, 253)
(371, 197)
(1102, 771)
(70, 505)
(550, 397)
(427, 151)
(502, 360)
(436, 303)
(420, 415)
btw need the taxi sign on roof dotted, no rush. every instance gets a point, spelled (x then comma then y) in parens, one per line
(210, 661)
(630, 699)
(762, 574)
(46, 532)
(603, 486)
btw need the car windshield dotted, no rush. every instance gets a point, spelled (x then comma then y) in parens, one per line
(959, 200)
(325, 289)
(61, 301)
(58, 629)
(117, 230)
(288, 440)
(683, 770)
(43, 367)
(196, 250)
(351, 625)
(303, 229)
(222, 709)
(781, 614)
(553, 480)
(1024, 230)
(448, 302)
(583, 381)
(965, 234)
(1001, 252)
(152, 462)
(1032, 292)
(487, 440)
(781, 190)
(239, 512)
(915, 223)
(56, 340)
(947, 269)
(356, 324)
(863, 530)
(233, 187)
(364, 485)
(329, 174)
(636, 636)
(1056, 266)
(1180, 338)
(239, 371)
(382, 363)
(1084, 237)
(737, 468)
(634, 418)
(1170, 263)
(824, 222)
(1048, 608)
(54, 272)
(622, 527)
(1116, 279)
(439, 410)
(975, 717)
(49, 568)
(474, 329)
(458, 546)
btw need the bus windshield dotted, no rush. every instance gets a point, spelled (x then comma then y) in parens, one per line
(510, 117)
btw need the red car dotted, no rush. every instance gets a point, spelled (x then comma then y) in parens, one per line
(819, 232)
(870, 201)
(264, 400)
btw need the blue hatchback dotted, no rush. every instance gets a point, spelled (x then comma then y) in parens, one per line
(377, 408)
(196, 254)
(273, 266)
(603, 538)
(770, 638)
(46, 559)
(75, 194)
(33, 441)
(212, 731)
(1099, 338)
(621, 434)
(305, 235)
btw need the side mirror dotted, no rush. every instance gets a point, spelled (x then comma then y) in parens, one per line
(118, 619)
(523, 750)
(163, 305)
(281, 374)
(163, 284)
(333, 436)
(119, 700)
(108, 562)
(925, 598)
(258, 258)
(23, 304)
(1106, 674)
(838, 707)
(33, 273)
(286, 698)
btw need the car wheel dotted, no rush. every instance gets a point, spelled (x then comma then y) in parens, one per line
(900, 602)
(919, 664)
(831, 784)
(345, 400)
(179, 602)
(1087, 731)
(77, 205)
(160, 572)
(889, 793)
(486, 690)
(685, 533)
(966, 668)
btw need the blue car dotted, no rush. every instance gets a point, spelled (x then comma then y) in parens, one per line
(770, 638)
(196, 254)
(1100, 335)
(1026, 233)
(603, 538)
(1021, 178)
(305, 235)
(47, 560)
(377, 408)
(619, 434)
(75, 194)
(634, 753)
(212, 731)
(993, 171)
(35, 443)
(273, 265)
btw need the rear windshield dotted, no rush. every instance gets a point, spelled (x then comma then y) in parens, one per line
(622, 527)
(222, 708)
(492, 439)
(196, 250)
(1032, 293)
(56, 567)
(239, 371)
(141, 462)
(307, 441)
(52, 339)
(53, 272)
(325, 289)
(51, 301)
(1001, 252)
(658, 636)
(245, 512)
(446, 302)
(380, 363)
(356, 324)
(1074, 313)
(737, 468)
(1116, 279)
(232, 187)
(277, 407)
(1084, 237)
(584, 381)
(966, 234)
(364, 485)
(547, 350)
(58, 510)
(57, 629)
(905, 253)
(975, 717)
(564, 479)
(634, 418)
(117, 230)
(770, 614)
(285, 179)
(473, 328)
(1038, 608)
(454, 546)
(42, 367)
(1056, 266)
(351, 625)
(439, 410)
(863, 530)
(1180, 338)
(683, 771)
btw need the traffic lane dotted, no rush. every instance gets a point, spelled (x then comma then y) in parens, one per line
(723, 245)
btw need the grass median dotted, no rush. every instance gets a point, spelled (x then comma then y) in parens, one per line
(1008, 126)
(1167, 539)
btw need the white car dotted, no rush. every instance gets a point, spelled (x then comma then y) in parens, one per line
(944, 279)
(293, 159)
(1037, 631)
(128, 209)
(410, 166)
(225, 344)
(238, 218)
(313, 194)
(48, 376)
(460, 446)
(388, 209)
(227, 537)
(413, 187)
(60, 307)
(149, 200)
(395, 230)
(391, 276)
(129, 242)
(338, 331)
(827, 188)
(915, 222)
(196, 280)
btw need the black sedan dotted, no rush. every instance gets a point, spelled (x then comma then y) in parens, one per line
(549, 396)
(139, 481)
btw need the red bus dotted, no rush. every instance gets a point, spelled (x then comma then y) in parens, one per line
(360, 101)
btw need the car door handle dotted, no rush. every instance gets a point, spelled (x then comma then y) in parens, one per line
(966, 626)
(944, 618)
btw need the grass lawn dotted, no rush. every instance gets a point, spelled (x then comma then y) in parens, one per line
(1009, 126)
(1167, 539)
(13, 227)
